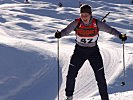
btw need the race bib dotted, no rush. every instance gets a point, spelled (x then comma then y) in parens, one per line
(86, 40)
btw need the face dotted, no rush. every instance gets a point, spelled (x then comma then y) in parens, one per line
(85, 17)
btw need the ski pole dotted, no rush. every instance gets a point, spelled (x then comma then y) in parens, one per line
(103, 19)
(58, 64)
(123, 82)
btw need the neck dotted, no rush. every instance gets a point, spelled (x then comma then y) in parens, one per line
(89, 21)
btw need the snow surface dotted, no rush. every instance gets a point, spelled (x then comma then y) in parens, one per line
(28, 50)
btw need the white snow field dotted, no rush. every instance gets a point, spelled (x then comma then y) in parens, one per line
(28, 50)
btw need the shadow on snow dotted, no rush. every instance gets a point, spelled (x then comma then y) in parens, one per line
(116, 86)
(25, 73)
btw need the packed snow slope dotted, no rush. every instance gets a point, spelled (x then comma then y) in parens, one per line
(28, 50)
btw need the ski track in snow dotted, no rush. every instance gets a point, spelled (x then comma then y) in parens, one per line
(86, 84)
(86, 81)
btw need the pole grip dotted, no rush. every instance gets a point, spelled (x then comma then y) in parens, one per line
(123, 35)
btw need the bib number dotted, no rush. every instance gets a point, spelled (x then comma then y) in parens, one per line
(84, 40)
(87, 40)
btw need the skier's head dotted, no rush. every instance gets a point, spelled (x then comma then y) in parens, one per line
(85, 13)
(84, 8)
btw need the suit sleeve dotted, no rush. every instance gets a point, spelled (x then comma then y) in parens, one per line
(69, 28)
(106, 28)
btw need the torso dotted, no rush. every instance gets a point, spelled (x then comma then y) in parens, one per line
(87, 34)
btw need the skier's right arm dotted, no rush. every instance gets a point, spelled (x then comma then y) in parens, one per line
(67, 30)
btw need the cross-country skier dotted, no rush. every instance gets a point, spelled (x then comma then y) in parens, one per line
(87, 32)
(60, 4)
(26, 1)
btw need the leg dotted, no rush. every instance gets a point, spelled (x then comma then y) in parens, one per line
(97, 66)
(75, 64)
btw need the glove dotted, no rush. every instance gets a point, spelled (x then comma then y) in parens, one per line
(58, 34)
(123, 37)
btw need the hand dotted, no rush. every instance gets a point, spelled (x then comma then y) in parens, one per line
(58, 34)
(123, 37)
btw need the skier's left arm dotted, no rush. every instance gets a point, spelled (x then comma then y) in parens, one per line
(106, 28)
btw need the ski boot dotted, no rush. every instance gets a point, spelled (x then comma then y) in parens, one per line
(69, 98)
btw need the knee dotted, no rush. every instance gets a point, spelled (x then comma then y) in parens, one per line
(100, 76)
(72, 72)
